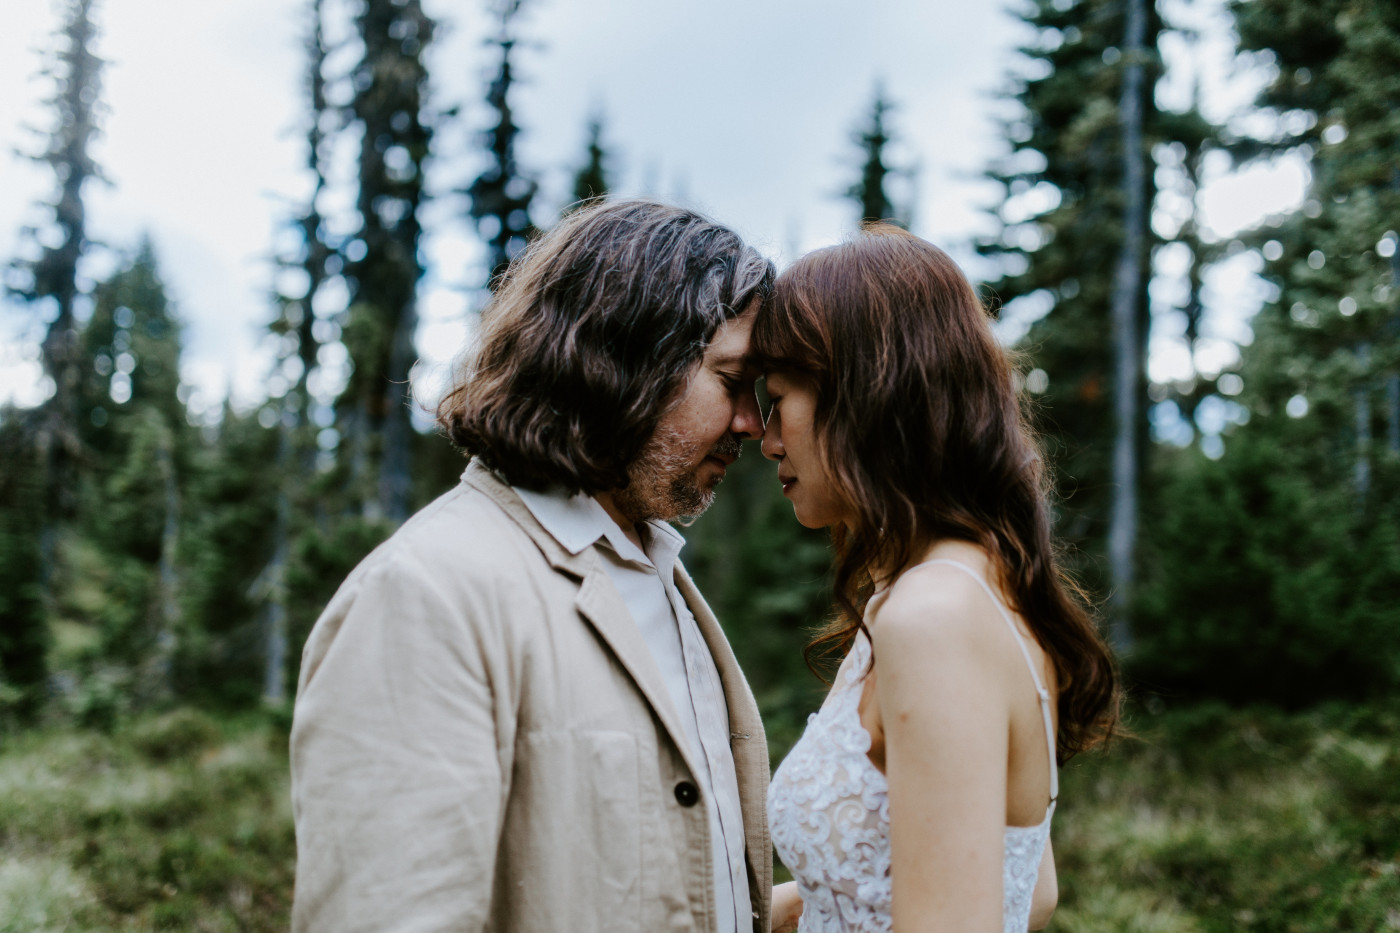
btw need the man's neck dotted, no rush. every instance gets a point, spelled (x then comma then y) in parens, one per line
(629, 527)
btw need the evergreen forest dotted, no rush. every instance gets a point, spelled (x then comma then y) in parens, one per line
(1237, 524)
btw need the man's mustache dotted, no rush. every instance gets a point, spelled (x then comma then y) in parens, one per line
(728, 447)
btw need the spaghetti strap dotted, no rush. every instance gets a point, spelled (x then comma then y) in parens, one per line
(1025, 653)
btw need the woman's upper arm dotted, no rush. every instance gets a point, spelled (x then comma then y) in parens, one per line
(945, 720)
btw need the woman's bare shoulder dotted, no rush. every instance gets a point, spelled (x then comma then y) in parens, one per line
(935, 606)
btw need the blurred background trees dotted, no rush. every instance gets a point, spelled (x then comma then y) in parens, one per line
(1232, 499)
(1238, 519)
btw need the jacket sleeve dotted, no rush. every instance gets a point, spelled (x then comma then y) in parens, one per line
(400, 757)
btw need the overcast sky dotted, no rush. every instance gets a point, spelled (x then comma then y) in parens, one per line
(742, 109)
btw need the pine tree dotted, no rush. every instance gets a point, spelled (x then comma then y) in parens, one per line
(1332, 333)
(1278, 566)
(49, 277)
(1128, 312)
(1076, 250)
(383, 265)
(296, 326)
(871, 191)
(230, 529)
(501, 195)
(133, 486)
(591, 178)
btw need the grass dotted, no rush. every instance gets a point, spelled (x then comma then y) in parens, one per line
(1212, 820)
(1236, 820)
(175, 822)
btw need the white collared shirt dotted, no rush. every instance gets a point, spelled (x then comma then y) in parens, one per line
(646, 581)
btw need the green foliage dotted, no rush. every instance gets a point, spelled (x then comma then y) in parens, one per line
(1212, 821)
(226, 545)
(1222, 820)
(116, 574)
(1061, 226)
(1264, 582)
(181, 733)
(24, 631)
(178, 822)
(1066, 149)
(1275, 573)
(321, 560)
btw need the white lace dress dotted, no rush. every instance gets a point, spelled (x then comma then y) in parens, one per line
(829, 812)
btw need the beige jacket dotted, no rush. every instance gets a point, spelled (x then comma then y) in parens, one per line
(482, 741)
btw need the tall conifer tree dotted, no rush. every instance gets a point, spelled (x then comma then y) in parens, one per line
(383, 263)
(299, 346)
(1277, 566)
(871, 191)
(1076, 246)
(1332, 336)
(134, 485)
(49, 276)
(501, 195)
(43, 449)
(591, 178)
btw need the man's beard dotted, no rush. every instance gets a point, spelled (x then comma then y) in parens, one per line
(663, 481)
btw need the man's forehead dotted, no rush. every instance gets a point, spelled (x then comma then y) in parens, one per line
(730, 358)
(730, 346)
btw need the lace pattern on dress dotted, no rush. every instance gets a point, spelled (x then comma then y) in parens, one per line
(829, 812)
(829, 815)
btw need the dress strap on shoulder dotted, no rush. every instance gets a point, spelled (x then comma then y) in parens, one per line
(1040, 690)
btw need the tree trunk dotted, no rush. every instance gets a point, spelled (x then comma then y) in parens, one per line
(1362, 401)
(1392, 382)
(169, 607)
(1127, 352)
(275, 624)
(396, 465)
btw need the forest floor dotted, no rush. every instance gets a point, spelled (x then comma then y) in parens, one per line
(1210, 820)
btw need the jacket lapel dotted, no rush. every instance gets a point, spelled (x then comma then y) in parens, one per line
(598, 602)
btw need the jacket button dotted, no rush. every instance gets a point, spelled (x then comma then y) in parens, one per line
(687, 794)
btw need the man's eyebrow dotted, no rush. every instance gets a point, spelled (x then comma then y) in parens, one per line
(733, 359)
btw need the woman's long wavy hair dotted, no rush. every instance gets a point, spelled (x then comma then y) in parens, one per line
(923, 431)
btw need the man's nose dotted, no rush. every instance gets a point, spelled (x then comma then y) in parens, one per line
(748, 417)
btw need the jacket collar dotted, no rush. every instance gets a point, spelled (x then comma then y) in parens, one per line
(598, 601)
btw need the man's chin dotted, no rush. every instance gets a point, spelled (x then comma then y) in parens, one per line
(690, 502)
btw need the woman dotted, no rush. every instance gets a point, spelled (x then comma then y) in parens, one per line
(920, 795)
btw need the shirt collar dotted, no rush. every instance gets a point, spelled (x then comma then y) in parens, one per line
(578, 521)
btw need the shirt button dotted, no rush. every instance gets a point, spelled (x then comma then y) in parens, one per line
(687, 794)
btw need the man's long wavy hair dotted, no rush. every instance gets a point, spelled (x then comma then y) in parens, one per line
(590, 335)
(922, 429)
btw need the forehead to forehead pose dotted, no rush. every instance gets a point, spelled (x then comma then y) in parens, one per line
(920, 796)
(518, 713)
(600, 354)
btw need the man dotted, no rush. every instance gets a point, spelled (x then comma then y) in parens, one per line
(518, 712)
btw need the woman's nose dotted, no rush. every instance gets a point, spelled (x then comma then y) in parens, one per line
(772, 445)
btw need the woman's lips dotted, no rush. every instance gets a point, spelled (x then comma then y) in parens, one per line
(787, 484)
